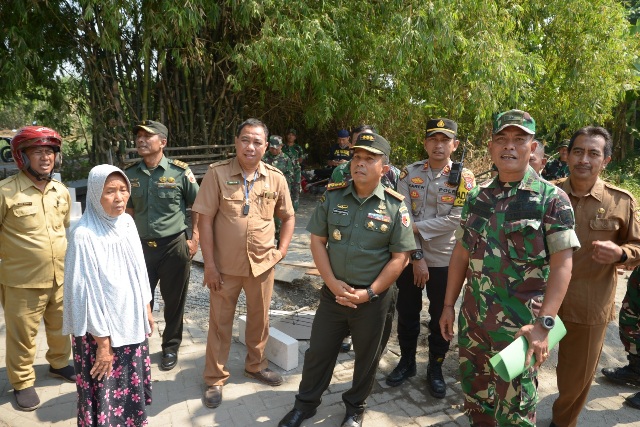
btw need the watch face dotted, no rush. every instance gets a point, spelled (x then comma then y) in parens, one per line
(548, 322)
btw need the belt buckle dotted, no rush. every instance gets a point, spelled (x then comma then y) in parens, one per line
(152, 244)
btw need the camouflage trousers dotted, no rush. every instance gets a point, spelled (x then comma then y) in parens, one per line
(295, 192)
(490, 401)
(630, 315)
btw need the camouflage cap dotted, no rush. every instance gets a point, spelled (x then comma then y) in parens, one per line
(564, 143)
(374, 143)
(518, 118)
(151, 127)
(275, 141)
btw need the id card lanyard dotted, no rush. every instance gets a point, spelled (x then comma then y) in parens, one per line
(247, 190)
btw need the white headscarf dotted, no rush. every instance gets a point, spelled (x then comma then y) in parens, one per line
(106, 287)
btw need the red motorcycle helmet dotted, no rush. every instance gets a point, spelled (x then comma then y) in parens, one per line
(32, 136)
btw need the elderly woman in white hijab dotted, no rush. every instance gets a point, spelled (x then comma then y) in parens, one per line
(107, 306)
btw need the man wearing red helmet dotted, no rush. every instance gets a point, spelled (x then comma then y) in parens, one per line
(34, 212)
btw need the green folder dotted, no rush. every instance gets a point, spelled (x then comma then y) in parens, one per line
(509, 363)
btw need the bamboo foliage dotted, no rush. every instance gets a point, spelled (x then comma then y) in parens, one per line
(202, 66)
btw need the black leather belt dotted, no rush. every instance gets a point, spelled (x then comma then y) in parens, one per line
(154, 243)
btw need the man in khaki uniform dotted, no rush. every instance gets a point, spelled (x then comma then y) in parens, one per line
(34, 213)
(608, 229)
(237, 202)
(435, 204)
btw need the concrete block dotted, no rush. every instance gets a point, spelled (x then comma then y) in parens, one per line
(281, 350)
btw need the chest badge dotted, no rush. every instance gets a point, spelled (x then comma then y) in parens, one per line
(417, 180)
(384, 228)
(162, 179)
(171, 179)
(370, 225)
(337, 235)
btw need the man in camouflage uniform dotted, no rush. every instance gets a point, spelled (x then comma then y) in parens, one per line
(275, 157)
(558, 168)
(297, 155)
(514, 248)
(630, 337)
(436, 205)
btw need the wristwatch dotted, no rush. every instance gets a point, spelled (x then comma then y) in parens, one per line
(417, 255)
(623, 258)
(547, 322)
(372, 295)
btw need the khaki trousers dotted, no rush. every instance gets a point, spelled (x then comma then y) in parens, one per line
(578, 357)
(222, 307)
(24, 308)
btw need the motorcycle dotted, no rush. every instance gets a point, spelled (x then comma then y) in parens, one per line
(5, 152)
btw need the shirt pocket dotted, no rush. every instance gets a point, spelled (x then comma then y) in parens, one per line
(62, 207)
(376, 234)
(232, 203)
(267, 207)
(339, 228)
(473, 238)
(603, 228)
(28, 217)
(137, 193)
(525, 240)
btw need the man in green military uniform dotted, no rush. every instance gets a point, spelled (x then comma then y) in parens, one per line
(297, 155)
(161, 191)
(558, 168)
(275, 157)
(514, 246)
(342, 173)
(630, 337)
(360, 238)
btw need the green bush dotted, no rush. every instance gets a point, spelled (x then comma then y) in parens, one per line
(75, 160)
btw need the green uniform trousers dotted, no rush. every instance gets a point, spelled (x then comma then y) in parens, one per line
(368, 325)
(24, 308)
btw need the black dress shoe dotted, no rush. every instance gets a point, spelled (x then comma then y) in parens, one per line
(213, 396)
(295, 417)
(633, 400)
(169, 361)
(352, 420)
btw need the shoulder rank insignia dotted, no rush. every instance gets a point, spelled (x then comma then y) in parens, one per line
(337, 185)
(394, 193)
(404, 173)
(180, 163)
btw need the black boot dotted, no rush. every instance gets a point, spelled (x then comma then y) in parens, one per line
(629, 374)
(406, 369)
(633, 400)
(435, 380)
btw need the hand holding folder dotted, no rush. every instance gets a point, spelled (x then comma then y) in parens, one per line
(509, 363)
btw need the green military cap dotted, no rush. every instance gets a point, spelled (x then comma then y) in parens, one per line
(374, 143)
(293, 131)
(564, 143)
(445, 126)
(517, 118)
(152, 127)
